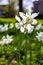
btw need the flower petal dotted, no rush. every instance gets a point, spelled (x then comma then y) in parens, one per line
(30, 28)
(29, 11)
(24, 21)
(28, 14)
(39, 36)
(34, 22)
(17, 18)
(22, 15)
(34, 15)
(17, 25)
(0, 42)
(38, 27)
(22, 29)
(11, 26)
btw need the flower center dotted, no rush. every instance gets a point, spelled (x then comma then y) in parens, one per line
(28, 19)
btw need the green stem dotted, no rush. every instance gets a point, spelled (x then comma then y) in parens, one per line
(19, 50)
(38, 44)
(30, 53)
(39, 48)
(19, 58)
(26, 51)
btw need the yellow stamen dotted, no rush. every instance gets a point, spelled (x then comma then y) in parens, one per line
(28, 19)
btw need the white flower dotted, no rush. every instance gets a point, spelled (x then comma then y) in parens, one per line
(2, 29)
(9, 38)
(6, 40)
(5, 27)
(1, 26)
(28, 17)
(30, 28)
(3, 40)
(11, 26)
(38, 27)
(17, 25)
(34, 22)
(39, 36)
(25, 25)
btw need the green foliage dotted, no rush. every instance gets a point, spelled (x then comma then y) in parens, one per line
(9, 53)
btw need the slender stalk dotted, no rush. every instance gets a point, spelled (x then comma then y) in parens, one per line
(30, 53)
(19, 58)
(30, 57)
(39, 48)
(39, 51)
(19, 49)
(26, 51)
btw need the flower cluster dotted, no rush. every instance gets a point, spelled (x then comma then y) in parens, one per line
(26, 24)
(6, 40)
(3, 28)
(6, 27)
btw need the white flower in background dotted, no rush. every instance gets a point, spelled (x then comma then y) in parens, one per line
(9, 39)
(6, 40)
(2, 29)
(3, 40)
(38, 27)
(39, 36)
(28, 17)
(1, 26)
(5, 27)
(11, 25)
